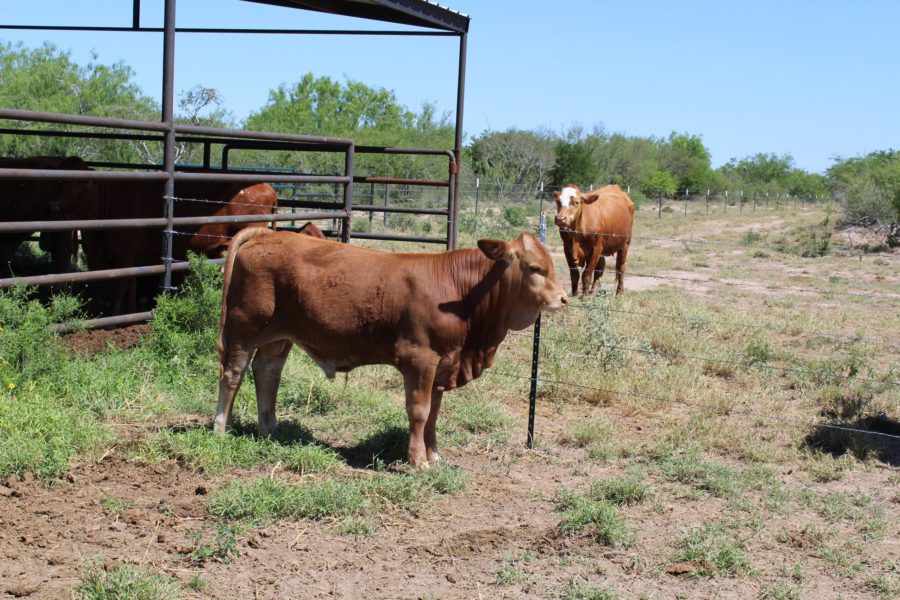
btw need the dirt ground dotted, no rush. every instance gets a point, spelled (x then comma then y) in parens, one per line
(457, 547)
(454, 549)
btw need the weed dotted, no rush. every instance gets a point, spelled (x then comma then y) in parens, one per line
(184, 327)
(265, 500)
(577, 589)
(780, 591)
(124, 582)
(509, 573)
(580, 512)
(885, 585)
(196, 583)
(357, 527)
(824, 467)
(204, 450)
(758, 353)
(752, 237)
(687, 467)
(710, 547)
(622, 491)
(514, 215)
(222, 547)
(40, 434)
(587, 433)
(116, 505)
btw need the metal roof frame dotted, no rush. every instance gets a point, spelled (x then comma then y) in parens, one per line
(419, 13)
(432, 19)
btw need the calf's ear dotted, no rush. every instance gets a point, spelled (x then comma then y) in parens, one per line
(589, 198)
(495, 249)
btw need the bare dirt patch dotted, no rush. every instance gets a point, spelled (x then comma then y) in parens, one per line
(92, 341)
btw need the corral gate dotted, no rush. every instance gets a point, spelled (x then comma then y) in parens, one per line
(437, 20)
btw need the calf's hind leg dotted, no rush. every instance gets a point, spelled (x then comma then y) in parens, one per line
(621, 259)
(267, 366)
(232, 373)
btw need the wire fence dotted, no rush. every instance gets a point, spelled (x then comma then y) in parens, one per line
(826, 373)
(575, 350)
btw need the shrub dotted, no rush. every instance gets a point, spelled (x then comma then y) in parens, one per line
(514, 215)
(185, 324)
(361, 224)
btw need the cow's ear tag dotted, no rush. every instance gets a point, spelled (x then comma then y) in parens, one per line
(494, 249)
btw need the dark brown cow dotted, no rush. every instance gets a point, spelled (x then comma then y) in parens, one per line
(122, 248)
(437, 318)
(595, 224)
(41, 200)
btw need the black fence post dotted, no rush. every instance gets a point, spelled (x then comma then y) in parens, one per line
(707, 201)
(535, 354)
(385, 215)
(659, 214)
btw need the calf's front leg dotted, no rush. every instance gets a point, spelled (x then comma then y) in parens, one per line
(417, 380)
(431, 449)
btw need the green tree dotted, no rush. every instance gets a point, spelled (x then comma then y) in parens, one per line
(659, 182)
(761, 169)
(868, 187)
(46, 79)
(574, 164)
(370, 116)
(626, 160)
(512, 158)
(686, 158)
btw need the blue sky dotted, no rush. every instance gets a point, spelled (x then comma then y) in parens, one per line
(815, 79)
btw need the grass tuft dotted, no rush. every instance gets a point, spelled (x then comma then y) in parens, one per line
(124, 582)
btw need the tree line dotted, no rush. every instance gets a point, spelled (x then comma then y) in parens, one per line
(47, 79)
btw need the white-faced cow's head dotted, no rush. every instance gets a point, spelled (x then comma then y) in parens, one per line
(531, 273)
(567, 201)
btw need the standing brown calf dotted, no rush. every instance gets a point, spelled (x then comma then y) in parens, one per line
(437, 318)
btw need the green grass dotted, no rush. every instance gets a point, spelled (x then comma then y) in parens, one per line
(125, 582)
(577, 589)
(621, 491)
(267, 499)
(600, 517)
(41, 436)
(510, 571)
(713, 550)
(204, 450)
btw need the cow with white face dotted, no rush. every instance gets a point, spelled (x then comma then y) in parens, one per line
(592, 226)
(567, 201)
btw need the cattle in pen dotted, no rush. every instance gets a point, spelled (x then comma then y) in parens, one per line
(437, 318)
(123, 248)
(41, 200)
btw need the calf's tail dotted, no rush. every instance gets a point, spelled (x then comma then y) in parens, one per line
(243, 236)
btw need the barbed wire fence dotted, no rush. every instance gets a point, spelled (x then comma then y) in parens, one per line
(575, 350)
(888, 431)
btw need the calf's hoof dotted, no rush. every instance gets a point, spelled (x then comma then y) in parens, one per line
(419, 464)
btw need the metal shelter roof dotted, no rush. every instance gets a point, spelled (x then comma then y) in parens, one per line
(420, 13)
